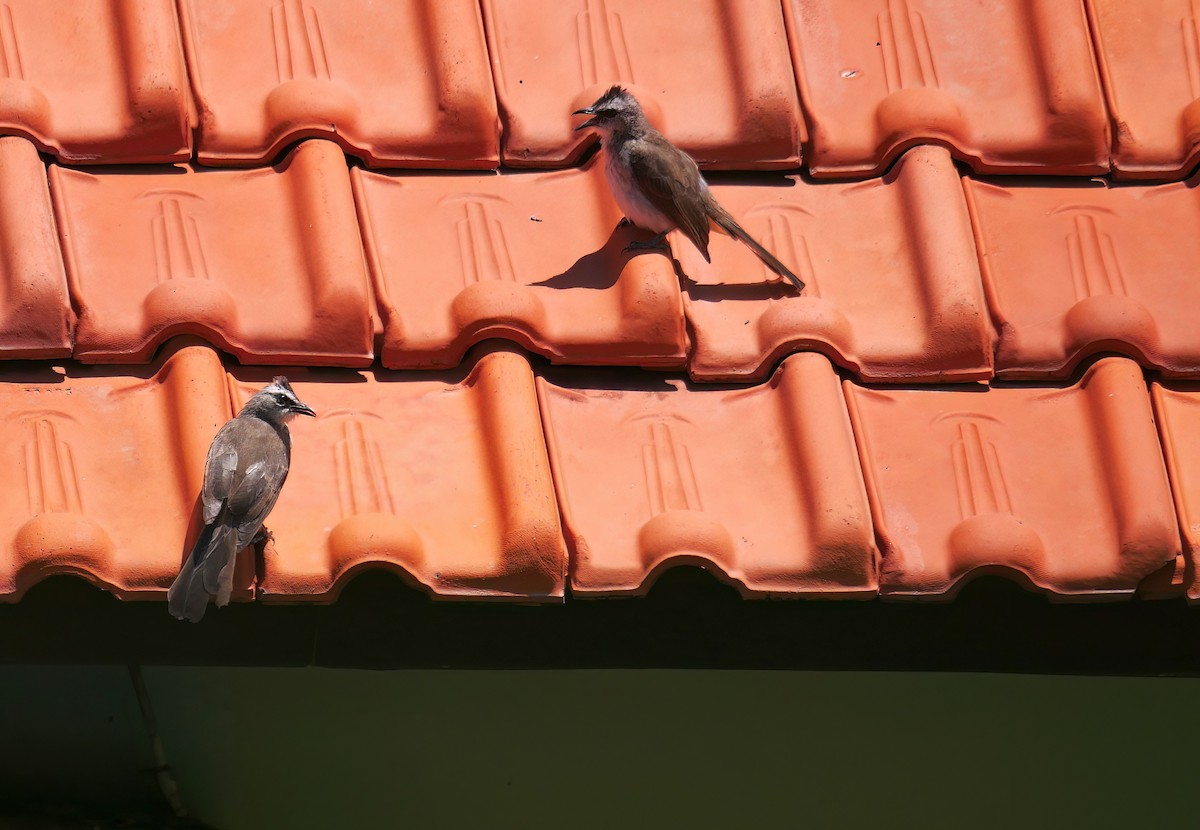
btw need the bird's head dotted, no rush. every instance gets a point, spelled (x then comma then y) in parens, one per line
(276, 402)
(615, 111)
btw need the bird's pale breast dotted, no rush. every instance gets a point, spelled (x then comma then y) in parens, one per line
(636, 207)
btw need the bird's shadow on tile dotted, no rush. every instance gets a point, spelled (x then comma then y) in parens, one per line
(726, 292)
(601, 268)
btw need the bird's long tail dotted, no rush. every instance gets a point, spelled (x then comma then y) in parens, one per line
(727, 223)
(188, 596)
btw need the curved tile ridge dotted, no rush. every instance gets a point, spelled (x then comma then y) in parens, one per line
(760, 484)
(893, 287)
(267, 264)
(715, 77)
(1149, 55)
(1063, 489)
(1177, 411)
(35, 312)
(404, 83)
(1072, 269)
(105, 469)
(1011, 87)
(100, 82)
(444, 480)
(531, 257)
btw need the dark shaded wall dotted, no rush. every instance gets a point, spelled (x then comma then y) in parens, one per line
(301, 748)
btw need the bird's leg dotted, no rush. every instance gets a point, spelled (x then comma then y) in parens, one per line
(656, 243)
(259, 544)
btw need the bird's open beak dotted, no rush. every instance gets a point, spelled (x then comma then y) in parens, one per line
(303, 409)
(591, 122)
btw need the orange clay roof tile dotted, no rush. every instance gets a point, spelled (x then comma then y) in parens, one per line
(892, 278)
(457, 259)
(1074, 268)
(760, 484)
(104, 469)
(266, 263)
(404, 83)
(1149, 54)
(1177, 409)
(442, 479)
(95, 81)
(715, 77)
(1064, 488)
(1011, 87)
(35, 311)
(774, 464)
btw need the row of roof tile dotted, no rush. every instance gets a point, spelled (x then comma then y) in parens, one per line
(1011, 87)
(458, 480)
(290, 264)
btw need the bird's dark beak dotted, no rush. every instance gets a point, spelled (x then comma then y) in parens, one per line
(303, 409)
(591, 122)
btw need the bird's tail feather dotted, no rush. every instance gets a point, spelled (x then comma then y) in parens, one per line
(188, 596)
(727, 223)
(187, 599)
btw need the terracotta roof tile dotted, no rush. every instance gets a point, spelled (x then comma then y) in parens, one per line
(1061, 487)
(1177, 408)
(267, 264)
(775, 463)
(36, 316)
(101, 81)
(892, 278)
(105, 467)
(532, 257)
(714, 77)
(402, 84)
(1011, 87)
(1076, 268)
(445, 480)
(1149, 54)
(760, 483)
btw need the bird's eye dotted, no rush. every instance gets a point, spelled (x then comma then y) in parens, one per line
(282, 400)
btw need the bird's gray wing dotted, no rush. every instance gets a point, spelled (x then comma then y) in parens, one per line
(671, 181)
(255, 495)
(246, 507)
(219, 471)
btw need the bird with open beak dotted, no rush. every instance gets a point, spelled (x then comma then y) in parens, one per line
(658, 186)
(243, 476)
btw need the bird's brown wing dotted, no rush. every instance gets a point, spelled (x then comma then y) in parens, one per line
(219, 471)
(671, 182)
(255, 495)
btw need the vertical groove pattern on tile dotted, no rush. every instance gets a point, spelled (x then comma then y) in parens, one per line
(760, 484)
(893, 287)
(1011, 87)
(715, 77)
(443, 480)
(267, 264)
(102, 470)
(532, 257)
(1063, 489)
(800, 482)
(1074, 269)
(400, 84)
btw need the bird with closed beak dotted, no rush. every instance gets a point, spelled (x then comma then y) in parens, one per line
(658, 186)
(246, 467)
